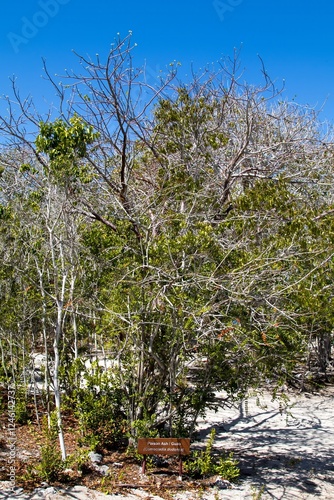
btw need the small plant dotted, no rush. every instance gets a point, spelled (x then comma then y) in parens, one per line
(107, 484)
(145, 427)
(257, 493)
(51, 463)
(79, 459)
(227, 468)
(92, 441)
(21, 407)
(99, 408)
(293, 461)
(204, 463)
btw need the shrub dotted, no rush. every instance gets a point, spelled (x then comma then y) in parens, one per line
(205, 463)
(50, 464)
(22, 414)
(99, 408)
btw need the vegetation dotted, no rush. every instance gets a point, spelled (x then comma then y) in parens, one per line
(159, 244)
(204, 463)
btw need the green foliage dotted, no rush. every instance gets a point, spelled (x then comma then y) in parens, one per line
(50, 464)
(22, 413)
(205, 463)
(227, 468)
(145, 427)
(5, 212)
(216, 271)
(100, 409)
(65, 144)
(187, 118)
(257, 493)
(79, 459)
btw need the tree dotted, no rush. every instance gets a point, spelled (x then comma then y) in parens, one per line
(201, 209)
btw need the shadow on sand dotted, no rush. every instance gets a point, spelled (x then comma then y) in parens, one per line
(284, 455)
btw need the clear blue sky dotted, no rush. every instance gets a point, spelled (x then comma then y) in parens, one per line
(295, 39)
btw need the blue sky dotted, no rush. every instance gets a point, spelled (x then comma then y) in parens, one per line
(294, 38)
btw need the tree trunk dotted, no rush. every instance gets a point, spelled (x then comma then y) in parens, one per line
(56, 380)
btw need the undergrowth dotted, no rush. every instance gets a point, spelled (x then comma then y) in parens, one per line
(206, 463)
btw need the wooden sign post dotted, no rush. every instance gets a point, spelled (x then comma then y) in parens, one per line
(164, 446)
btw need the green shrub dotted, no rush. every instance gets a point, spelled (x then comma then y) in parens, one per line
(50, 464)
(145, 427)
(99, 408)
(22, 414)
(205, 463)
(79, 460)
(227, 468)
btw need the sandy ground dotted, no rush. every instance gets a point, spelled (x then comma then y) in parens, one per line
(286, 455)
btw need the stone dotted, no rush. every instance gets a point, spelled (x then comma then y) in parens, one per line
(101, 469)
(222, 484)
(96, 458)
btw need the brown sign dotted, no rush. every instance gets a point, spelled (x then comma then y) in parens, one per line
(164, 446)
